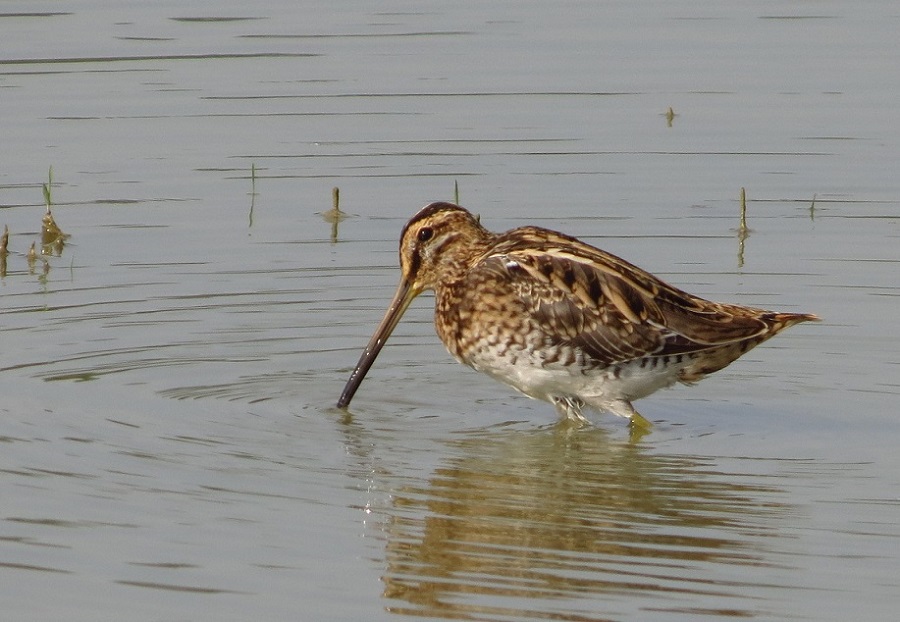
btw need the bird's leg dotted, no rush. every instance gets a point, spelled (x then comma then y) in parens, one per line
(623, 408)
(638, 421)
(570, 408)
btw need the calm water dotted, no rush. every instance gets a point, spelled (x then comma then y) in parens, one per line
(170, 450)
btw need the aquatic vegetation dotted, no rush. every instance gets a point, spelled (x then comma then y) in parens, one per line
(53, 239)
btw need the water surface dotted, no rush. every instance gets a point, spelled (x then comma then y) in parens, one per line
(168, 375)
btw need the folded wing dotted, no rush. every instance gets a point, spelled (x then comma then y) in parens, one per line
(610, 309)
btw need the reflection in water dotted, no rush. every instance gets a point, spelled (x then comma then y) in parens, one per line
(518, 522)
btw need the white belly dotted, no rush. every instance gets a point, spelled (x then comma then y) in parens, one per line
(527, 372)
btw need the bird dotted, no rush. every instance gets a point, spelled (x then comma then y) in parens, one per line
(558, 319)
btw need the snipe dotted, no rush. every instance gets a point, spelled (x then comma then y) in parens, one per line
(558, 319)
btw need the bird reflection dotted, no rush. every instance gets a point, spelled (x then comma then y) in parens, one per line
(514, 522)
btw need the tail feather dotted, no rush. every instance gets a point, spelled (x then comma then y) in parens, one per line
(720, 357)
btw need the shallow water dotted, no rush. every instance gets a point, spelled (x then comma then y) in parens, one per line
(170, 446)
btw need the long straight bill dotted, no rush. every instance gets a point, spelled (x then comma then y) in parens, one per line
(395, 311)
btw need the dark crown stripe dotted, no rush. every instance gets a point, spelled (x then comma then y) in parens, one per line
(430, 210)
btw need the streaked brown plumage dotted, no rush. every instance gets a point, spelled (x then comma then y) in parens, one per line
(558, 319)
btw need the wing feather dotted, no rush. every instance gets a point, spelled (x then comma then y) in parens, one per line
(606, 307)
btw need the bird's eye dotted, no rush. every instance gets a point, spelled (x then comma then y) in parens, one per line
(425, 234)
